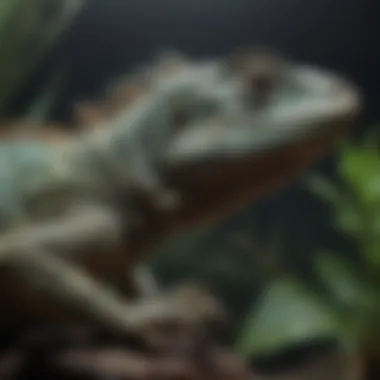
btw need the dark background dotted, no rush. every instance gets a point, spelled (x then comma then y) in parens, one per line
(110, 36)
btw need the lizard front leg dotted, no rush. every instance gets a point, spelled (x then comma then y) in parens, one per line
(84, 226)
(25, 252)
(65, 283)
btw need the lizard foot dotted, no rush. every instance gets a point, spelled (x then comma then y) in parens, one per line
(168, 200)
(180, 317)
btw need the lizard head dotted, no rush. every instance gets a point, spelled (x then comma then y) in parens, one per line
(265, 103)
(275, 119)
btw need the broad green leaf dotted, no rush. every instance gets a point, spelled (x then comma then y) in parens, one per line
(287, 314)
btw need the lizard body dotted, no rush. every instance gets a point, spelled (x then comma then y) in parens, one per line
(226, 154)
(133, 139)
(84, 170)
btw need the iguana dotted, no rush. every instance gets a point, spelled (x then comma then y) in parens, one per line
(226, 152)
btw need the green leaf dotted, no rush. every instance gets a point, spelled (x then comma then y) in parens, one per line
(349, 219)
(287, 314)
(349, 216)
(39, 111)
(360, 167)
(371, 138)
(338, 277)
(323, 188)
(26, 35)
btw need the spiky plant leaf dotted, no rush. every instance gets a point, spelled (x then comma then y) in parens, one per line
(40, 109)
(339, 277)
(27, 32)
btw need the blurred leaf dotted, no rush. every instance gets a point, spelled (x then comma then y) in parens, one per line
(348, 215)
(287, 314)
(8, 10)
(41, 108)
(26, 34)
(349, 219)
(371, 138)
(323, 188)
(360, 166)
(336, 274)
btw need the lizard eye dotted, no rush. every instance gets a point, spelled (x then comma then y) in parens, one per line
(261, 77)
(259, 70)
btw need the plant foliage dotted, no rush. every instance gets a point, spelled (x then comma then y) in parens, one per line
(28, 30)
(290, 312)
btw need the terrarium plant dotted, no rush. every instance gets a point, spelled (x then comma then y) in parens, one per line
(28, 30)
(291, 311)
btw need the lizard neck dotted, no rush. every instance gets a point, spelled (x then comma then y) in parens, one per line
(113, 155)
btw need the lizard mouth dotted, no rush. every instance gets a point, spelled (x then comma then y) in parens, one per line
(312, 100)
